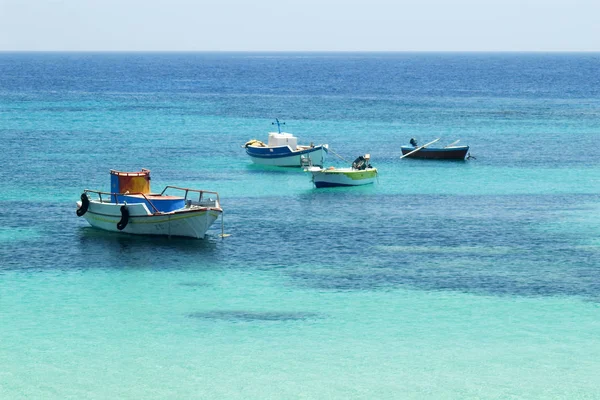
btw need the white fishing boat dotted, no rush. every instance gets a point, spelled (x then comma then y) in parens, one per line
(282, 150)
(130, 207)
(361, 173)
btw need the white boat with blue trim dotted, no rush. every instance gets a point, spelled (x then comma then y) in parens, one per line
(361, 173)
(130, 207)
(282, 150)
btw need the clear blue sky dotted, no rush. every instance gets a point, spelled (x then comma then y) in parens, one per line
(300, 25)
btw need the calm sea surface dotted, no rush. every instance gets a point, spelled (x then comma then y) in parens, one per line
(443, 280)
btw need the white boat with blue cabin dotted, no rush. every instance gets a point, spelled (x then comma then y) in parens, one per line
(130, 207)
(282, 150)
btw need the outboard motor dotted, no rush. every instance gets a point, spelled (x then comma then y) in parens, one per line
(360, 163)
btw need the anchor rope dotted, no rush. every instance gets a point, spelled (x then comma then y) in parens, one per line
(339, 155)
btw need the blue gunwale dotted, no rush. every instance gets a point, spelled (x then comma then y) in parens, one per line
(329, 184)
(279, 152)
(441, 153)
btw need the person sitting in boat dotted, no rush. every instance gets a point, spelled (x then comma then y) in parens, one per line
(413, 142)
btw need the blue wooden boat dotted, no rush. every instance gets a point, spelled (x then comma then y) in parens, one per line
(449, 152)
(282, 150)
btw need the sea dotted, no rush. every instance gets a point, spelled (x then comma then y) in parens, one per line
(476, 279)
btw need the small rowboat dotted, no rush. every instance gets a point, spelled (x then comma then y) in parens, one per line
(449, 152)
(361, 173)
(282, 150)
(130, 207)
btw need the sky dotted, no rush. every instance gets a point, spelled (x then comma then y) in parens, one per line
(300, 25)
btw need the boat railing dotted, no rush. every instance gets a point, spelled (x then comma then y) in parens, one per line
(113, 197)
(190, 193)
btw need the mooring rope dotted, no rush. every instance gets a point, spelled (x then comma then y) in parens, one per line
(339, 156)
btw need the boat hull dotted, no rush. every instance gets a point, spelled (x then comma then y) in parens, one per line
(283, 156)
(323, 178)
(447, 153)
(192, 222)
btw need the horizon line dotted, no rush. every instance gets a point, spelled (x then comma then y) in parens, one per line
(301, 51)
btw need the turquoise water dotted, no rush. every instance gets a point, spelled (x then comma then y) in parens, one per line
(456, 280)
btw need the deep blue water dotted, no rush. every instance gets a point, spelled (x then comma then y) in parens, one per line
(511, 233)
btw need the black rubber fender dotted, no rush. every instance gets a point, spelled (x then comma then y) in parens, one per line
(124, 218)
(85, 203)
